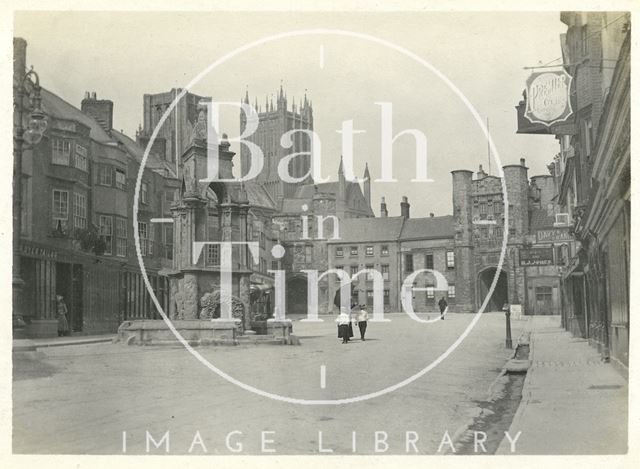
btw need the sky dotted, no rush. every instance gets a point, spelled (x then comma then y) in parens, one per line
(122, 55)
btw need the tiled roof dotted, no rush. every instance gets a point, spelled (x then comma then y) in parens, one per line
(294, 205)
(135, 150)
(428, 228)
(364, 230)
(540, 218)
(258, 196)
(57, 107)
(306, 191)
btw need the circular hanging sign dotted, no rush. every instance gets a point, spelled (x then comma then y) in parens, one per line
(548, 97)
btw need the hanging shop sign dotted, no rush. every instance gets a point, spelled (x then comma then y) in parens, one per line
(548, 97)
(553, 235)
(536, 256)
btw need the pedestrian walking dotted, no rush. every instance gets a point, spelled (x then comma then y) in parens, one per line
(353, 313)
(61, 311)
(443, 307)
(343, 321)
(363, 317)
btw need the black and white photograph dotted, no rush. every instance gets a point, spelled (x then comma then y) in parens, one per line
(283, 230)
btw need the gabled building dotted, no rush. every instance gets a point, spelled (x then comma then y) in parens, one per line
(77, 235)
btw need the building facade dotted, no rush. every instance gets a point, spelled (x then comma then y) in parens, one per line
(592, 176)
(77, 219)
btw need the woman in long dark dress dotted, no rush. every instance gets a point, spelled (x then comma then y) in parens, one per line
(343, 321)
(61, 311)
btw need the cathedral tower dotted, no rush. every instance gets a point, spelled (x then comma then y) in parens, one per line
(274, 121)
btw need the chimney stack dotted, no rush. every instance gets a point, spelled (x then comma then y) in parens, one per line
(404, 207)
(522, 162)
(431, 215)
(100, 109)
(384, 213)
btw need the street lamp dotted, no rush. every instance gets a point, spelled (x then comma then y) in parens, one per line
(32, 135)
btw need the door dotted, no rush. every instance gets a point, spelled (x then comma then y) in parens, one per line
(544, 300)
(69, 285)
(63, 288)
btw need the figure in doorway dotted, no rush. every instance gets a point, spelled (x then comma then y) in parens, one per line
(61, 312)
(443, 307)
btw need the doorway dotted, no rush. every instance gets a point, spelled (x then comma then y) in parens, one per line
(544, 300)
(500, 294)
(297, 295)
(69, 285)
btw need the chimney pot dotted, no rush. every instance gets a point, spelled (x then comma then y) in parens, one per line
(101, 111)
(404, 207)
(384, 213)
(86, 95)
(522, 162)
(431, 215)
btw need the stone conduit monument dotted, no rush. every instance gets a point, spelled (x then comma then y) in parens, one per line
(196, 297)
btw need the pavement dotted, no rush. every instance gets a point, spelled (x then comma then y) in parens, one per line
(572, 402)
(26, 345)
(106, 398)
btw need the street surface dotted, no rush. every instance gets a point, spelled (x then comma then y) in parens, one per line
(80, 399)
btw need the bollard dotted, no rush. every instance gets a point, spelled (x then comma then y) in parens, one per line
(508, 343)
